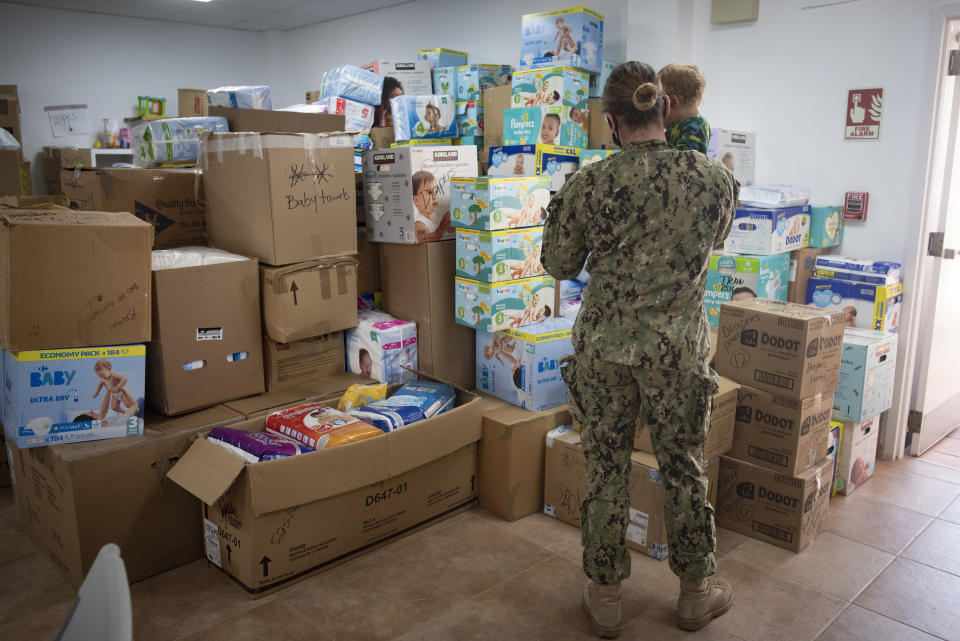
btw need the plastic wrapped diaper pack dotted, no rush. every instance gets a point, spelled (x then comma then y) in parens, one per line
(774, 196)
(858, 270)
(255, 446)
(172, 141)
(423, 117)
(319, 427)
(382, 347)
(241, 97)
(415, 401)
(7, 141)
(191, 257)
(359, 116)
(352, 83)
(357, 395)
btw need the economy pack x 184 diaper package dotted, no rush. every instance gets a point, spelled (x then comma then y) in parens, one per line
(416, 401)
(499, 256)
(546, 125)
(172, 141)
(246, 97)
(733, 277)
(71, 395)
(858, 270)
(497, 306)
(382, 347)
(868, 365)
(572, 37)
(423, 117)
(764, 232)
(414, 75)
(352, 83)
(473, 79)
(487, 203)
(551, 86)
(590, 156)
(441, 57)
(865, 306)
(522, 366)
(513, 160)
(556, 162)
(319, 427)
(826, 226)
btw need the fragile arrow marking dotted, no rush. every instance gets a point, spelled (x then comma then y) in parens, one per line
(229, 560)
(293, 290)
(265, 562)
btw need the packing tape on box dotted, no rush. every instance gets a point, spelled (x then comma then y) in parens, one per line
(322, 267)
(243, 141)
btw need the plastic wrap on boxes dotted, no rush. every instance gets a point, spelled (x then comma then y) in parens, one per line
(774, 196)
(352, 83)
(192, 257)
(423, 117)
(172, 141)
(415, 401)
(241, 97)
(7, 141)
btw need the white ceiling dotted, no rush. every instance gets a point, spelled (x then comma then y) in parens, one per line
(250, 15)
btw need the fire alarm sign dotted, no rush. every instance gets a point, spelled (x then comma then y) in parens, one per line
(855, 205)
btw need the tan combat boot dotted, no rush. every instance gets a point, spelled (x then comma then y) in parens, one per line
(700, 601)
(602, 604)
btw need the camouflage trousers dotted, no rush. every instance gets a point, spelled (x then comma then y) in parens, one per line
(606, 399)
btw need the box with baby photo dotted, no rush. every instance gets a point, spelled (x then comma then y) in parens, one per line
(499, 203)
(499, 256)
(546, 125)
(551, 86)
(492, 307)
(471, 80)
(407, 191)
(72, 395)
(572, 37)
(733, 277)
(423, 117)
(769, 231)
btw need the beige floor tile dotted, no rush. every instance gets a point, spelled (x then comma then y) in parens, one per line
(275, 620)
(949, 446)
(36, 623)
(857, 624)
(6, 498)
(930, 468)
(832, 564)
(657, 624)
(879, 525)
(728, 540)
(29, 580)
(13, 541)
(911, 491)
(941, 458)
(918, 596)
(472, 555)
(938, 546)
(952, 513)
(468, 621)
(546, 531)
(544, 601)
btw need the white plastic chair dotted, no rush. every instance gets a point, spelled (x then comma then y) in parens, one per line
(102, 610)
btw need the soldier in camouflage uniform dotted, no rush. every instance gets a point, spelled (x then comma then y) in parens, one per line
(648, 218)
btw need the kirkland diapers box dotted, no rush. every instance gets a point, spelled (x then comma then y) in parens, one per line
(414, 75)
(857, 455)
(546, 125)
(788, 349)
(493, 307)
(768, 231)
(289, 364)
(407, 191)
(72, 395)
(283, 198)
(489, 203)
(737, 150)
(73, 279)
(875, 307)
(733, 277)
(780, 509)
(867, 369)
(272, 523)
(572, 37)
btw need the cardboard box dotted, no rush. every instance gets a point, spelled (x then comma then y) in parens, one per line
(565, 483)
(6, 472)
(857, 454)
(284, 198)
(735, 277)
(309, 299)
(192, 102)
(206, 336)
(737, 150)
(381, 137)
(511, 458)
(801, 270)
(408, 191)
(368, 263)
(165, 198)
(414, 75)
(599, 134)
(722, 418)
(875, 307)
(551, 86)
(764, 232)
(272, 121)
(788, 349)
(781, 434)
(10, 172)
(26, 179)
(867, 369)
(542, 41)
(76, 498)
(333, 504)
(498, 203)
(493, 307)
(546, 124)
(50, 302)
(10, 113)
(291, 364)
(57, 158)
(826, 226)
(418, 285)
(780, 509)
(33, 202)
(443, 57)
(63, 396)
(328, 389)
(495, 101)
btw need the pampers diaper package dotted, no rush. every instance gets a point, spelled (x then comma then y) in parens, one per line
(494, 307)
(416, 401)
(359, 116)
(423, 117)
(826, 226)
(473, 79)
(858, 270)
(768, 231)
(498, 256)
(470, 118)
(551, 86)
(868, 365)
(443, 57)
(513, 160)
(546, 125)
(247, 97)
(319, 427)
(172, 141)
(599, 81)
(572, 37)
(382, 347)
(590, 156)
(556, 162)
(487, 203)
(352, 83)
(71, 395)
(733, 277)
(865, 306)
(522, 366)
(445, 81)
(414, 75)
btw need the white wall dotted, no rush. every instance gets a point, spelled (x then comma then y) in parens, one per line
(66, 57)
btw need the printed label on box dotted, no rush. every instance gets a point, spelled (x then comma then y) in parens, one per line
(637, 529)
(211, 538)
(209, 333)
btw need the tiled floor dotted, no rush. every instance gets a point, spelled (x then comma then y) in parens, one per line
(888, 567)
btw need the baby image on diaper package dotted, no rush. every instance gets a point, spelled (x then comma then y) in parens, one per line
(733, 277)
(423, 117)
(546, 125)
(499, 256)
(73, 395)
(473, 79)
(488, 203)
(556, 162)
(572, 37)
(494, 307)
(512, 160)
(865, 306)
(590, 156)
(551, 86)
(764, 232)
(382, 347)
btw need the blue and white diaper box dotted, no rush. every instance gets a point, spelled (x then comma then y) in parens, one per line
(857, 270)
(556, 162)
(868, 365)
(441, 57)
(572, 37)
(445, 81)
(469, 116)
(492, 307)
(553, 161)
(546, 125)
(866, 306)
(763, 232)
(733, 277)
(423, 117)
(590, 156)
(499, 256)
(72, 395)
(352, 83)
(599, 81)
(488, 202)
(826, 226)
(522, 366)
(473, 79)
(243, 97)
(551, 86)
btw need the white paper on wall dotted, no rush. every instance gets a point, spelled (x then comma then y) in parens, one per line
(68, 120)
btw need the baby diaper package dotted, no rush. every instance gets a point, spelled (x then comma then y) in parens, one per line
(172, 141)
(357, 395)
(470, 119)
(826, 226)
(522, 366)
(546, 125)
(774, 196)
(865, 306)
(441, 57)
(416, 401)
(445, 81)
(72, 395)
(423, 117)
(551, 86)
(868, 365)
(590, 156)
(319, 427)
(737, 150)
(768, 231)
(254, 447)
(359, 116)
(856, 454)
(414, 75)
(498, 306)
(245, 97)
(513, 160)
(499, 256)
(556, 162)
(857, 270)
(487, 203)
(382, 347)
(599, 81)
(733, 277)
(572, 37)
(352, 83)
(473, 79)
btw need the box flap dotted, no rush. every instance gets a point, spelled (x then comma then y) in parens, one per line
(441, 435)
(206, 470)
(513, 415)
(726, 386)
(61, 216)
(260, 120)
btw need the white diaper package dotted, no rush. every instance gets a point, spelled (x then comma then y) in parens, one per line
(172, 141)
(382, 347)
(423, 117)
(774, 196)
(858, 270)
(7, 141)
(242, 97)
(352, 83)
(191, 257)
(359, 116)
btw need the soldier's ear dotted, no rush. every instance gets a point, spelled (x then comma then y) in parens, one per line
(667, 106)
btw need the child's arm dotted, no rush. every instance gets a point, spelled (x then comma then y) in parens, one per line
(99, 387)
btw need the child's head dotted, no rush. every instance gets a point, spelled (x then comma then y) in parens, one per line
(743, 293)
(550, 129)
(519, 163)
(488, 351)
(424, 195)
(366, 363)
(850, 316)
(102, 368)
(559, 21)
(553, 98)
(684, 84)
(576, 115)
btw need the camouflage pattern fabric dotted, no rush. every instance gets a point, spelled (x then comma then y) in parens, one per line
(690, 134)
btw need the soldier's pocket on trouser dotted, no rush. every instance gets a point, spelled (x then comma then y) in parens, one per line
(568, 371)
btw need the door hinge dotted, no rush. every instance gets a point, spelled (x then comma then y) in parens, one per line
(953, 65)
(914, 421)
(935, 244)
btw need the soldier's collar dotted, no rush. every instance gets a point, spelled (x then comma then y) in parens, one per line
(646, 144)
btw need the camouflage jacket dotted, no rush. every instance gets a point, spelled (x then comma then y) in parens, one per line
(648, 217)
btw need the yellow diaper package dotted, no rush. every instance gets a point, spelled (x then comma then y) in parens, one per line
(359, 395)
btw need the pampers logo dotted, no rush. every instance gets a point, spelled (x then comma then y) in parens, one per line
(51, 377)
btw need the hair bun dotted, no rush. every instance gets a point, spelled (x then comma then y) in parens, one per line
(646, 96)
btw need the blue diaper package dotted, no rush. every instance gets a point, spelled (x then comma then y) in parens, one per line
(245, 97)
(445, 81)
(858, 270)
(473, 79)
(441, 57)
(352, 83)
(875, 307)
(572, 37)
(172, 141)
(599, 81)
(415, 401)
(423, 117)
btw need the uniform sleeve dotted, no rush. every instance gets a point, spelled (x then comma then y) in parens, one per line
(564, 243)
(729, 193)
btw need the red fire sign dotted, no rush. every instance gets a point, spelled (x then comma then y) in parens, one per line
(855, 205)
(864, 109)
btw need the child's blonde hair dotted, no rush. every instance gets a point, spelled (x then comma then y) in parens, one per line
(102, 364)
(683, 82)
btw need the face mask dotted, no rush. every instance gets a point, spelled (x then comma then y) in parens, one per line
(616, 138)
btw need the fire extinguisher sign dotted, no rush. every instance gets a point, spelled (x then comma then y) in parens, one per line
(864, 110)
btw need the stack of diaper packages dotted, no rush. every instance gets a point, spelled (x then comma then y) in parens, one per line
(355, 93)
(416, 401)
(172, 142)
(868, 292)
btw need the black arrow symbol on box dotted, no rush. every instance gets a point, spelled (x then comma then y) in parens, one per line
(293, 290)
(265, 562)
(228, 553)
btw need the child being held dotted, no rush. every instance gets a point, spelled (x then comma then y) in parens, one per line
(687, 130)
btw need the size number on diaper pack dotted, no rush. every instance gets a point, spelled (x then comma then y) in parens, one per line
(386, 493)
(209, 333)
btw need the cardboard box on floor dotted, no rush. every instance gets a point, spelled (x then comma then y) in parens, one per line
(10, 113)
(57, 158)
(564, 488)
(780, 509)
(368, 268)
(291, 364)
(10, 172)
(165, 198)
(857, 454)
(418, 286)
(270, 524)
(801, 270)
(192, 103)
(511, 458)
(325, 390)
(284, 198)
(270, 121)
(33, 202)
(495, 101)
(75, 498)
(48, 301)
(599, 134)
